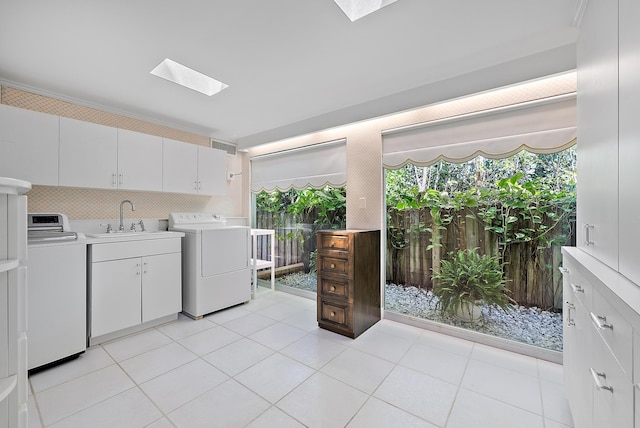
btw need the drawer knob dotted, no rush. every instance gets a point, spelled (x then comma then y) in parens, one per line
(333, 314)
(333, 265)
(333, 244)
(332, 288)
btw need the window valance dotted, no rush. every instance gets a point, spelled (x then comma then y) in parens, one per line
(310, 166)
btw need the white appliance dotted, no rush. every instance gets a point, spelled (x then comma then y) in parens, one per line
(216, 268)
(56, 290)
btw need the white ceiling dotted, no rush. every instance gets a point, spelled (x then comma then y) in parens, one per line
(292, 66)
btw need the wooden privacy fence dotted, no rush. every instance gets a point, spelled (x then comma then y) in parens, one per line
(532, 273)
(294, 240)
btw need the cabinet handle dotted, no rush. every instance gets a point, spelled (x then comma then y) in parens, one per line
(596, 379)
(113, 180)
(195, 184)
(587, 234)
(333, 314)
(601, 321)
(577, 288)
(333, 244)
(563, 270)
(120, 178)
(199, 185)
(332, 288)
(570, 320)
(333, 265)
(137, 268)
(146, 267)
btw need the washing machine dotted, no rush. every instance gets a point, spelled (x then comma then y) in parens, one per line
(56, 290)
(216, 264)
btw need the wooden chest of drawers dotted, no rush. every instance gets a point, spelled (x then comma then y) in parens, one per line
(348, 280)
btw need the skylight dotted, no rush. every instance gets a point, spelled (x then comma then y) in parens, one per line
(356, 9)
(187, 77)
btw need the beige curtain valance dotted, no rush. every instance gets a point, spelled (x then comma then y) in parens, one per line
(541, 126)
(310, 166)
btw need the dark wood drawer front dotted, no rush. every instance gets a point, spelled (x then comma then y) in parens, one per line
(334, 288)
(333, 242)
(335, 313)
(334, 265)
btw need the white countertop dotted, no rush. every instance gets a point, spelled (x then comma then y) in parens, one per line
(106, 238)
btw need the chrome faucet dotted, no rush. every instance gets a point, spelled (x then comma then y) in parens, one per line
(133, 208)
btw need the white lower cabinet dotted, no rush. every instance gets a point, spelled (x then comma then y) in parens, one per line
(598, 345)
(132, 283)
(160, 295)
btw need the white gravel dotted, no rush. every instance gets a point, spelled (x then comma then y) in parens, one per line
(527, 325)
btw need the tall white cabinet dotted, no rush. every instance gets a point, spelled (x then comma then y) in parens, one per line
(13, 303)
(597, 208)
(602, 275)
(29, 142)
(629, 139)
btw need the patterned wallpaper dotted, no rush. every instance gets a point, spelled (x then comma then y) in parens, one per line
(81, 204)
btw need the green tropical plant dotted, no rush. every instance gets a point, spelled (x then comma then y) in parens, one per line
(467, 278)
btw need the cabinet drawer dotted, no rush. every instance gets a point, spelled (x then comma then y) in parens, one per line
(614, 330)
(613, 400)
(333, 242)
(338, 314)
(334, 265)
(336, 288)
(125, 250)
(579, 287)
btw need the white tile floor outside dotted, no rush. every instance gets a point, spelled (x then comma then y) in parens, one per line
(267, 364)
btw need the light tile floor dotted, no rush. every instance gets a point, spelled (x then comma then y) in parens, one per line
(267, 364)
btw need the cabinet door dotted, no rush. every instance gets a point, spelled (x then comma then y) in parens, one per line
(161, 286)
(629, 143)
(212, 171)
(139, 161)
(115, 295)
(29, 142)
(578, 338)
(598, 133)
(179, 167)
(88, 155)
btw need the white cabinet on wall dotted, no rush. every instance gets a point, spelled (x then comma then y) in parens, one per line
(597, 216)
(131, 283)
(29, 142)
(103, 157)
(188, 168)
(88, 155)
(139, 161)
(629, 142)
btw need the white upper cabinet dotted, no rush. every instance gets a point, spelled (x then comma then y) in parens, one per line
(212, 171)
(188, 168)
(179, 167)
(88, 155)
(629, 143)
(597, 216)
(139, 161)
(29, 142)
(104, 157)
